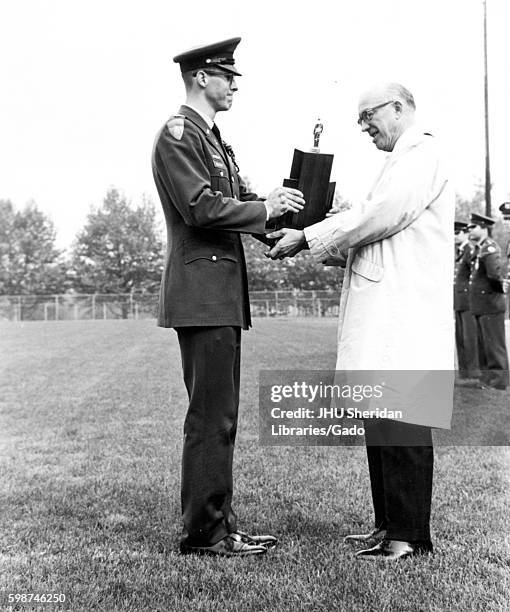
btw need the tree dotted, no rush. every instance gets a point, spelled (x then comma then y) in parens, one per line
(119, 250)
(475, 204)
(29, 261)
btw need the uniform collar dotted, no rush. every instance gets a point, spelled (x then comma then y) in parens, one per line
(199, 120)
(207, 120)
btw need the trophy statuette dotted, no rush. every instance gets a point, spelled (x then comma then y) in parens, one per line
(310, 173)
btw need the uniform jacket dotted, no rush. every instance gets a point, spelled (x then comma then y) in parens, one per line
(396, 301)
(485, 284)
(463, 264)
(206, 207)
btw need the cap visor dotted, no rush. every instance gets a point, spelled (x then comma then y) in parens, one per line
(228, 68)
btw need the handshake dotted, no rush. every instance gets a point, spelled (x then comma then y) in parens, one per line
(290, 241)
(280, 201)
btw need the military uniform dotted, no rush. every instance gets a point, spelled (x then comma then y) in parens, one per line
(487, 303)
(204, 296)
(465, 325)
(206, 206)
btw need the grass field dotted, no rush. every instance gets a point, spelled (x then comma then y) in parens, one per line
(91, 425)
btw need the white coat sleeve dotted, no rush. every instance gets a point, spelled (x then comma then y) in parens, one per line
(408, 186)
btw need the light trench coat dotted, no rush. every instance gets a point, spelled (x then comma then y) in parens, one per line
(396, 302)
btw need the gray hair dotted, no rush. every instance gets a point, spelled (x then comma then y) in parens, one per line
(396, 90)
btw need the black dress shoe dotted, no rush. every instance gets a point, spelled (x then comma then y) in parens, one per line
(269, 541)
(376, 535)
(392, 550)
(232, 545)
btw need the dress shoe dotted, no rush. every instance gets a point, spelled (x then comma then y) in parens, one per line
(392, 550)
(375, 535)
(268, 541)
(232, 545)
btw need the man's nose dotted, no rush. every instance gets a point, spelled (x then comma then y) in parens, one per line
(364, 126)
(233, 85)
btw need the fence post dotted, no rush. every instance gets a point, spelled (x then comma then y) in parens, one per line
(56, 308)
(75, 308)
(104, 310)
(94, 306)
(276, 302)
(45, 311)
(136, 311)
(131, 304)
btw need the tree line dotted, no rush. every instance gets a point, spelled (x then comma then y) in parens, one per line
(121, 249)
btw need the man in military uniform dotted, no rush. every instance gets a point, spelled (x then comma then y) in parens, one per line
(465, 325)
(204, 290)
(487, 303)
(505, 211)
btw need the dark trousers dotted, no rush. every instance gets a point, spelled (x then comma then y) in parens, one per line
(211, 366)
(401, 462)
(467, 344)
(492, 353)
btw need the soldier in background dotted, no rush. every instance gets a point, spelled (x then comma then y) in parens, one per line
(465, 325)
(505, 211)
(487, 303)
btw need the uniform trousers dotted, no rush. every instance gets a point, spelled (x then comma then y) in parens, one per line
(211, 366)
(492, 353)
(401, 463)
(467, 344)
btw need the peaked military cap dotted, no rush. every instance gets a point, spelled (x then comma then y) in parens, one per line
(216, 55)
(505, 209)
(460, 226)
(481, 220)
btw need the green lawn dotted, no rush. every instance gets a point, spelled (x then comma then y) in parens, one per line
(91, 422)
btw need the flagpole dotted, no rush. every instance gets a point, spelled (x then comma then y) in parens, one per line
(488, 207)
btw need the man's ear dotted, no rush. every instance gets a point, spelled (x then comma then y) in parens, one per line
(201, 78)
(398, 106)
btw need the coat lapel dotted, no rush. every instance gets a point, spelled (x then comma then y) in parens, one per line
(200, 123)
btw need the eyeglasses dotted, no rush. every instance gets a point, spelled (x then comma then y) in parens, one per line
(228, 77)
(368, 114)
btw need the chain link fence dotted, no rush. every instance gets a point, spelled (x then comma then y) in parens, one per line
(102, 306)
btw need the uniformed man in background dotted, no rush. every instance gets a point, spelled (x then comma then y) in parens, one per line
(505, 211)
(204, 290)
(487, 303)
(465, 325)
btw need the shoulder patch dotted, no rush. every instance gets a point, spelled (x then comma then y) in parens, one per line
(175, 126)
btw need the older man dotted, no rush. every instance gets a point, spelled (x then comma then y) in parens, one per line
(396, 306)
(204, 290)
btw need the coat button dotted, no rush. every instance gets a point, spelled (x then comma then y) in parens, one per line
(221, 173)
(214, 258)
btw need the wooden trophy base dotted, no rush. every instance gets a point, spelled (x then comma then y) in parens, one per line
(310, 173)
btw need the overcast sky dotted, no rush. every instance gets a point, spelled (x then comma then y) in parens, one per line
(86, 85)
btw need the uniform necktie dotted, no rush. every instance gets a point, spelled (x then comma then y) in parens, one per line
(226, 147)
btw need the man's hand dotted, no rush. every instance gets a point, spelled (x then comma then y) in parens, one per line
(291, 242)
(282, 200)
(334, 210)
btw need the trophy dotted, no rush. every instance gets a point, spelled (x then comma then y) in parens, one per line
(505, 211)
(310, 173)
